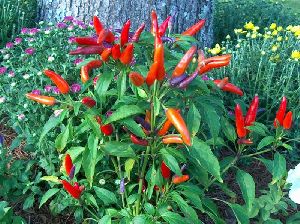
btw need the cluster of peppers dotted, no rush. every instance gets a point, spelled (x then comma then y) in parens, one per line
(282, 118)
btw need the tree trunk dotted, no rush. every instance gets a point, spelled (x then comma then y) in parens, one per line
(113, 13)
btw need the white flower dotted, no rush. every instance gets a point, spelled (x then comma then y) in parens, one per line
(50, 24)
(117, 182)
(13, 84)
(47, 31)
(41, 22)
(39, 73)
(2, 99)
(263, 52)
(25, 105)
(26, 76)
(6, 57)
(294, 179)
(58, 112)
(50, 59)
(101, 181)
(21, 117)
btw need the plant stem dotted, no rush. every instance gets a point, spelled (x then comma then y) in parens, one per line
(257, 153)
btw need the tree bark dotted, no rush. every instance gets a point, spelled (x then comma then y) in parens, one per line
(113, 13)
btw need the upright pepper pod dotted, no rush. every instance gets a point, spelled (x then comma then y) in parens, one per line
(154, 23)
(163, 27)
(61, 84)
(46, 100)
(138, 32)
(252, 111)
(105, 54)
(102, 36)
(287, 122)
(165, 171)
(191, 31)
(116, 51)
(88, 101)
(136, 78)
(110, 37)
(159, 57)
(184, 62)
(125, 33)
(127, 54)
(239, 122)
(75, 191)
(176, 119)
(97, 25)
(151, 76)
(69, 167)
(165, 128)
(281, 112)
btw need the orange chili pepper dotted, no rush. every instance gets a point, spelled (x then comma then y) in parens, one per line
(61, 84)
(165, 128)
(176, 119)
(229, 87)
(84, 72)
(172, 140)
(127, 54)
(191, 31)
(212, 65)
(152, 74)
(154, 23)
(180, 179)
(105, 54)
(224, 57)
(136, 78)
(184, 62)
(159, 57)
(46, 100)
(116, 51)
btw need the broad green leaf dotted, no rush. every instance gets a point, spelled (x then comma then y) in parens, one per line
(226, 190)
(75, 151)
(279, 167)
(105, 220)
(90, 119)
(104, 82)
(133, 127)
(156, 106)
(257, 129)
(90, 199)
(62, 139)
(177, 154)
(106, 196)
(239, 213)
(149, 208)
(172, 218)
(202, 153)
(170, 161)
(48, 195)
(121, 84)
(128, 166)
(53, 179)
(124, 112)
(141, 93)
(193, 120)
(247, 186)
(89, 159)
(294, 219)
(120, 149)
(194, 198)
(265, 142)
(28, 203)
(141, 219)
(228, 130)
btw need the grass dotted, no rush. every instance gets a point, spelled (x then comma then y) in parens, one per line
(294, 5)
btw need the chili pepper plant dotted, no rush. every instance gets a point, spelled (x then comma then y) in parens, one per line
(139, 143)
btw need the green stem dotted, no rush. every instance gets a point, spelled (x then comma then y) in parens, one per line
(257, 153)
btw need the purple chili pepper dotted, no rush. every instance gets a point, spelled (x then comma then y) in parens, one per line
(142, 122)
(176, 80)
(122, 186)
(261, 110)
(188, 80)
(167, 39)
(87, 50)
(72, 172)
(1, 140)
(183, 167)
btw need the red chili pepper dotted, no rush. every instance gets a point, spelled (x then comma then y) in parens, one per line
(136, 78)
(68, 164)
(46, 100)
(107, 129)
(243, 141)
(212, 65)
(172, 140)
(75, 191)
(97, 25)
(154, 23)
(239, 122)
(165, 171)
(125, 33)
(180, 179)
(84, 72)
(86, 50)
(163, 26)
(127, 54)
(138, 141)
(61, 84)
(287, 122)
(221, 83)
(281, 112)
(137, 34)
(116, 51)
(252, 111)
(165, 128)
(229, 87)
(184, 62)
(110, 37)
(175, 118)
(105, 54)
(86, 40)
(152, 74)
(191, 31)
(224, 57)
(101, 36)
(88, 101)
(94, 64)
(159, 57)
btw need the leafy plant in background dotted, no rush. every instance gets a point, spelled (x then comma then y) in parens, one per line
(136, 144)
(12, 17)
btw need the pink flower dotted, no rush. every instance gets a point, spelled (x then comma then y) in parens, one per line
(68, 18)
(31, 39)
(2, 99)
(11, 74)
(71, 40)
(55, 90)
(33, 31)
(36, 91)
(24, 30)
(77, 61)
(9, 45)
(21, 117)
(61, 25)
(75, 87)
(205, 77)
(18, 40)
(2, 70)
(30, 51)
(48, 88)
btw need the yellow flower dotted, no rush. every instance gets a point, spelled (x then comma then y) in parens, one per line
(228, 37)
(256, 28)
(236, 31)
(280, 28)
(273, 26)
(286, 38)
(279, 38)
(266, 36)
(253, 36)
(249, 26)
(297, 33)
(275, 32)
(274, 48)
(289, 27)
(215, 50)
(295, 55)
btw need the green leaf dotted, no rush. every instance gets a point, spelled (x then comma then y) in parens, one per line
(149, 208)
(52, 179)
(90, 199)
(279, 167)
(228, 130)
(141, 93)
(85, 62)
(90, 119)
(257, 129)
(194, 198)
(265, 142)
(48, 195)
(247, 186)
(294, 219)
(28, 203)
(193, 120)
(128, 166)
(172, 218)
(105, 220)
(104, 82)
(170, 161)
(239, 213)
(124, 112)
(133, 127)
(62, 139)
(118, 149)
(106, 196)
(89, 159)
(202, 153)
(156, 106)
(121, 84)
(75, 151)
